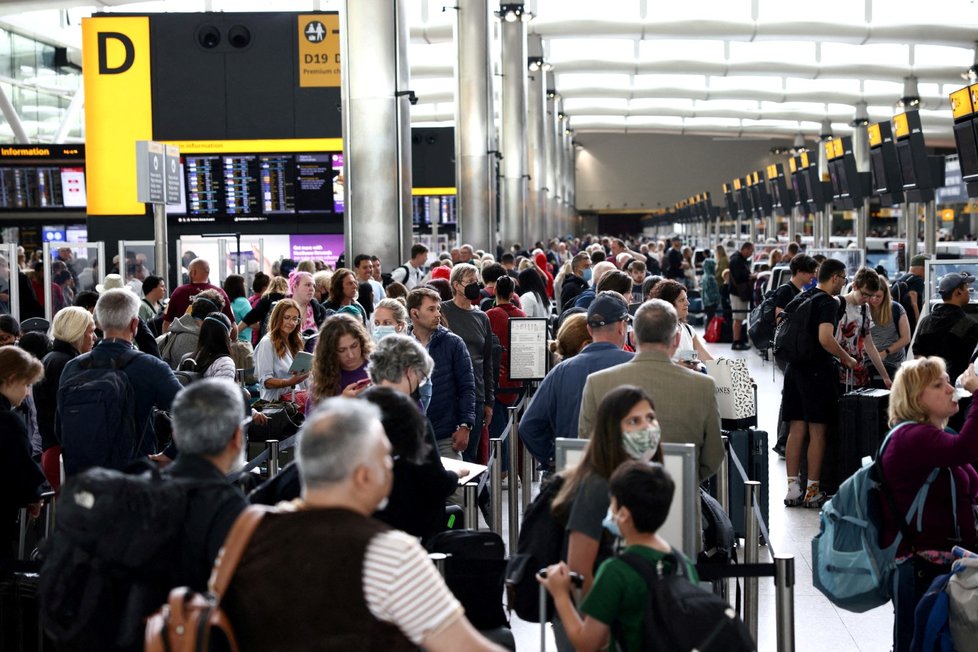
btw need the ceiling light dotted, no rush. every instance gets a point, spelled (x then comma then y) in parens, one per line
(534, 63)
(511, 12)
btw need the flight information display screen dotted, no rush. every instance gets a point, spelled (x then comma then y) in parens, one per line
(42, 187)
(257, 187)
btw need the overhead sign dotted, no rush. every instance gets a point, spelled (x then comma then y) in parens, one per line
(171, 158)
(319, 50)
(157, 173)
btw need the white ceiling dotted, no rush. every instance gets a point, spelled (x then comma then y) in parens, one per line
(751, 68)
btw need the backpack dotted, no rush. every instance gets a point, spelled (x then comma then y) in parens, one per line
(899, 292)
(849, 566)
(760, 323)
(932, 619)
(107, 565)
(718, 533)
(96, 412)
(793, 339)
(540, 544)
(681, 616)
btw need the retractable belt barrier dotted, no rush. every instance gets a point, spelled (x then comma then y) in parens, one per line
(782, 569)
(261, 458)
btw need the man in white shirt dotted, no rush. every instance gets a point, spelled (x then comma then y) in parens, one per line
(363, 266)
(410, 273)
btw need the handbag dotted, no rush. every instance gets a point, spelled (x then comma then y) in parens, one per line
(284, 420)
(244, 360)
(736, 393)
(962, 589)
(714, 330)
(192, 621)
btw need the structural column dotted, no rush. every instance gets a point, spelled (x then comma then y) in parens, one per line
(473, 120)
(536, 112)
(568, 168)
(514, 187)
(860, 151)
(559, 185)
(376, 130)
(550, 178)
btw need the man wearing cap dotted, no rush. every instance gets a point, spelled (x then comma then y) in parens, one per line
(685, 401)
(551, 414)
(946, 330)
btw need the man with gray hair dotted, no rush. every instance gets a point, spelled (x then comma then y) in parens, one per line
(374, 587)
(106, 396)
(685, 401)
(209, 429)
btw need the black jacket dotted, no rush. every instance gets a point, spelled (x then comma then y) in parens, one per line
(21, 478)
(571, 289)
(211, 511)
(46, 391)
(949, 333)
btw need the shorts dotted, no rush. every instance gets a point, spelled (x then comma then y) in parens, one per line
(739, 307)
(811, 393)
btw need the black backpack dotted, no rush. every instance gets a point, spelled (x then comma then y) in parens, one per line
(680, 616)
(97, 415)
(719, 541)
(474, 572)
(794, 340)
(899, 292)
(108, 564)
(760, 323)
(540, 544)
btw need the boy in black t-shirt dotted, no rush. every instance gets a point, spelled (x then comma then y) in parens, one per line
(810, 397)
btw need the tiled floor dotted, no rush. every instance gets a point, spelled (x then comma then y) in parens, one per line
(819, 626)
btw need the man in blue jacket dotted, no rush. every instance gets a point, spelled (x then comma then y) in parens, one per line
(452, 407)
(551, 414)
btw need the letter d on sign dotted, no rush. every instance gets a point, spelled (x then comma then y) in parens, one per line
(103, 59)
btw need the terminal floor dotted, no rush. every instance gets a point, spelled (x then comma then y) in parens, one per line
(819, 625)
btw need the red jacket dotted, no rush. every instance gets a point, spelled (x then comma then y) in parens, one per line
(499, 323)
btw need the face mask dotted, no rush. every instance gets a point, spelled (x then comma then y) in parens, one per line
(472, 291)
(380, 332)
(639, 442)
(609, 524)
(586, 275)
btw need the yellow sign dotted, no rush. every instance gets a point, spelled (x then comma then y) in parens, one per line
(793, 165)
(961, 104)
(804, 160)
(829, 149)
(260, 146)
(901, 128)
(425, 192)
(737, 184)
(118, 109)
(837, 148)
(319, 50)
(726, 188)
(947, 215)
(772, 172)
(875, 137)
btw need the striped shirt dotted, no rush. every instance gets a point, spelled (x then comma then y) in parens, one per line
(402, 587)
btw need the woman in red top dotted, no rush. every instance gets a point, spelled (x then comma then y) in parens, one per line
(508, 392)
(540, 259)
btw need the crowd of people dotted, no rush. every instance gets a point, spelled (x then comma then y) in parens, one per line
(398, 370)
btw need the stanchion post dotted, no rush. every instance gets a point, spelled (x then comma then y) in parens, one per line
(22, 536)
(723, 477)
(272, 457)
(527, 488)
(784, 586)
(439, 559)
(514, 497)
(496, 483)
(470, 493)
(751, 551)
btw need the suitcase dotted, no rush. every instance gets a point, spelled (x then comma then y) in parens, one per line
(20, 629)
(474, 572)
(751, 449)
(863, 423)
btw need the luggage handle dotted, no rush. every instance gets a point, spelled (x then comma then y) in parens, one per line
(577, 581)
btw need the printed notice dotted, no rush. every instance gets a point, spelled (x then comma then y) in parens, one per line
(527, 349)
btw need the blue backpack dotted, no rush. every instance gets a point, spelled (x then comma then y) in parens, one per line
(932, 626)
(848, 564)
(96, 416)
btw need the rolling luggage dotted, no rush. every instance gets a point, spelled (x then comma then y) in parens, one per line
(863, 423)
(474, 572)
(751, 449)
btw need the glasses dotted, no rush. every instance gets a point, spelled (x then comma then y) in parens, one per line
(842, 276)
(291, 320)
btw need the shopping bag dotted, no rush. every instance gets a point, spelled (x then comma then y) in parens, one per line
(736, 392)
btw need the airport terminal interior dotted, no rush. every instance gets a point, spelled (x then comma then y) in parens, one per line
(138, 136)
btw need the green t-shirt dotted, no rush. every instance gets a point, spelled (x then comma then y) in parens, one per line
(619, 594)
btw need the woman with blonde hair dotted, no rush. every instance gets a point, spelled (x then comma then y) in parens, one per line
(390, 317)
(73, 333)
(572, 336)
(276, 351)
(919, 452)
(891, 328)
(340, 364)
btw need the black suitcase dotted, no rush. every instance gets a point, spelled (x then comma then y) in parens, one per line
(20, 629)
(751, 449)
(863, 417)
(474, 572)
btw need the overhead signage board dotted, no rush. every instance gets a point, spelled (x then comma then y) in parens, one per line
(150, 172)
(319, 50)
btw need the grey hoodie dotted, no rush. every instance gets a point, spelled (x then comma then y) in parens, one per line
(180, 340)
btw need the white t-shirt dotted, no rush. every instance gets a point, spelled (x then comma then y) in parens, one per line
(687, 338)
(531, 305)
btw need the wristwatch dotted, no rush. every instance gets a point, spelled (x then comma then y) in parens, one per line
(464, 425)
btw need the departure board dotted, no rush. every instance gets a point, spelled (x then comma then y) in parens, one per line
(249, 187)
(28, 188)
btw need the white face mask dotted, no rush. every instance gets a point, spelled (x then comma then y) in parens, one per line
(380, 332)
(639, 442)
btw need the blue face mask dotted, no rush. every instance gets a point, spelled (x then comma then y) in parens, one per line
(586, 275)
(609, 524)
(381, 332)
